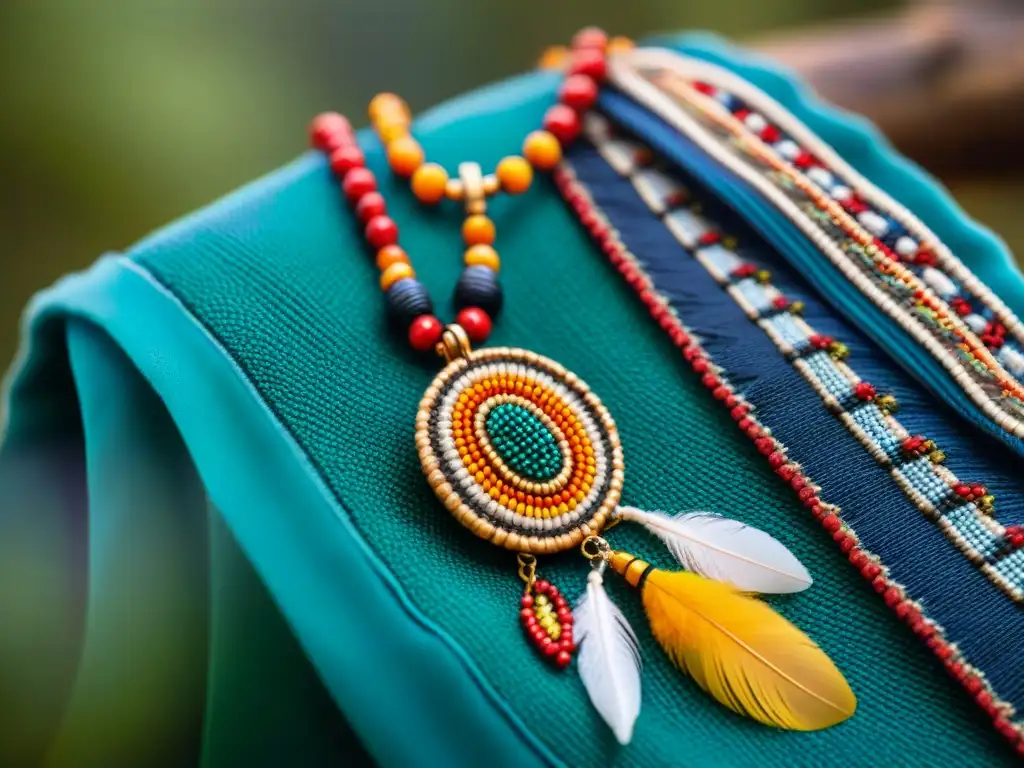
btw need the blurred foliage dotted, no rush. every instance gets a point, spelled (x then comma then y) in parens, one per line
(120, 115)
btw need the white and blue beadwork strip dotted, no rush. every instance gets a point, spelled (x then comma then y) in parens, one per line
(963, 511)
(773, 154)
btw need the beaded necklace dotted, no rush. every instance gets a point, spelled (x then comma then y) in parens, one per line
(522, 453)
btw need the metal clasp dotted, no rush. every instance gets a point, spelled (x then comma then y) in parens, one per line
(454, 343)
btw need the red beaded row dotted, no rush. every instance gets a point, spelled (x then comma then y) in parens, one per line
(332, 134)
(869, 565)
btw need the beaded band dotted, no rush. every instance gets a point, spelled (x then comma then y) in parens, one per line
(918, 310)
(962, 510)
(914, 243)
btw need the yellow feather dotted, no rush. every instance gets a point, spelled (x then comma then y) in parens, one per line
(740, 650)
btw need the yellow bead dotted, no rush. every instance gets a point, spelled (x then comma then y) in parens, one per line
(478, 230)
(391, 254)
(554, 57)
(385, 105)
(395, 272)
(428, 183)
(620, 45)
(405, 155)
(482, 256)
(390, 132)
(514, 174)
(543, 150)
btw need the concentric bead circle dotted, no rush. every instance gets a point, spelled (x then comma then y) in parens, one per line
(520, 450)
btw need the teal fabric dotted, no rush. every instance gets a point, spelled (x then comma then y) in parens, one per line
(239, 360)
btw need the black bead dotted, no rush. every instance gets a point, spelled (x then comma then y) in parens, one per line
(408, 299)
(478, 287)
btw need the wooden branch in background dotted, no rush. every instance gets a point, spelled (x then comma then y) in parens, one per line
(944, 79)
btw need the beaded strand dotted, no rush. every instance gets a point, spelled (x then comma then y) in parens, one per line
(478, 297)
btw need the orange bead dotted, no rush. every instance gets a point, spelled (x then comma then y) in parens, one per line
(428, 183)
(391, 254)
(482, 256)
(554, 57)
(543, 150)
(397, 271)
(405, 155)
(514, 174)
(478, 230)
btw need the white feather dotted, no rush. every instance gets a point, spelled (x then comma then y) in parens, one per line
(608, 659)
(725, 550)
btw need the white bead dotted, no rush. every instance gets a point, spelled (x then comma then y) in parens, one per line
(938, 281)
(755, 122)
(788, 148)
(841, 192)
(873, 223)
(976, 322)
(820, 176)
(1013, 360)
(905, 246)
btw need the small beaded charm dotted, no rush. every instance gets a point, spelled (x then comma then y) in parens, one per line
(545, 615)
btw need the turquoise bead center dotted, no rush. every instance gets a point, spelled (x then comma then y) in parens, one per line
(525, 445)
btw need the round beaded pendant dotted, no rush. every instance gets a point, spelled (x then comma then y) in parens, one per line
(520, 450)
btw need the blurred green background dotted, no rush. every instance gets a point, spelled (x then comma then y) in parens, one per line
(120, 115)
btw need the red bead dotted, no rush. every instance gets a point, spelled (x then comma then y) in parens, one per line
(346, 158)
(589, 62)
(831, 523)
(541, 586)
(563, 122)
(864, 391)
(526, 614)
(578, 92)
(370, 205)
(381, 231)
(329, 131)
(526, 601)
(552, 648)
(590, 37)
(424, 332)
(358, 182)
(563, 614)
(562, 659)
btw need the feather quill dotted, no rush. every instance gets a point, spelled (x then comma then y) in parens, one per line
(739, 650)
(608, 659)
(726, 550)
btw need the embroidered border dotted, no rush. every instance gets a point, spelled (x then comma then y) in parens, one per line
(880, 275)
(914, 243)
(713, 378)
(962, 510)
